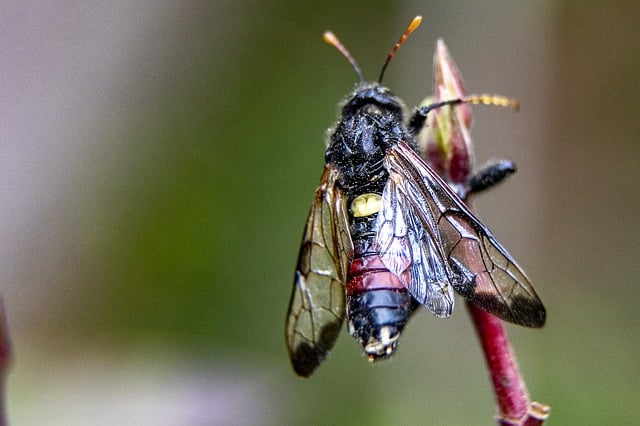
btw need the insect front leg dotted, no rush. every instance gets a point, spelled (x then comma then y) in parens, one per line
(416, 123)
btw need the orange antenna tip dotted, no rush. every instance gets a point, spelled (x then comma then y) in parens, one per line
(331, 39)
(415, 23)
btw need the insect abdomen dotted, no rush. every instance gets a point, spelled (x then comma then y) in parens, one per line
(378, 304)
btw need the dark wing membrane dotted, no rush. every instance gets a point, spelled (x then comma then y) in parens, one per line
(317, 306)
(482, 271)
(411, 249)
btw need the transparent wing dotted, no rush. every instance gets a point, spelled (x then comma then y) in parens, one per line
(412, 250)
(478, 267)
(317, 306)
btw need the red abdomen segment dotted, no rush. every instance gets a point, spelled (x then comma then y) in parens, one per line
(367, 272)
(378, 305)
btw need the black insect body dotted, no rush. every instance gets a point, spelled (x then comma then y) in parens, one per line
(378, 302)
(385, 234)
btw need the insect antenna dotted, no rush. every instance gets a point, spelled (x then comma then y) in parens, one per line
(483, 99)
(417, 121)
(331, 39)
(415, 23)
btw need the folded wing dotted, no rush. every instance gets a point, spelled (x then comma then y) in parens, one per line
(317, 306)
(477, 266)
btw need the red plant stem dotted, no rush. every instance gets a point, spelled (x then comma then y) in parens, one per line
(514, 405)
(510, 390)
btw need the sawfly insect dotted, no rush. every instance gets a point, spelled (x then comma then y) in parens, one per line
(386, 234)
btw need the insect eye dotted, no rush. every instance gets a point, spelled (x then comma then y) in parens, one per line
(372, 109)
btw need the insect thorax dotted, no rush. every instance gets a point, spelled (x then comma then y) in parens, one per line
(371, 122)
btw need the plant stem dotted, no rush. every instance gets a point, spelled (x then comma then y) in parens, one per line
(514, 405)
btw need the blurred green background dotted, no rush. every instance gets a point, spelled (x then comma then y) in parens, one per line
(158, 160)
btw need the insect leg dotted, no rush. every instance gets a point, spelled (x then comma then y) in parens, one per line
(491, 175)
(487, 177)
(420, 116)
(416, 123)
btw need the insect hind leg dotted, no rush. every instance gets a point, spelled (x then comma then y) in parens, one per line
(487, 177)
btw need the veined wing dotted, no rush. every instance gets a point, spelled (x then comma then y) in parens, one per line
(480, 268)
(317, 306)
(410, 246)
